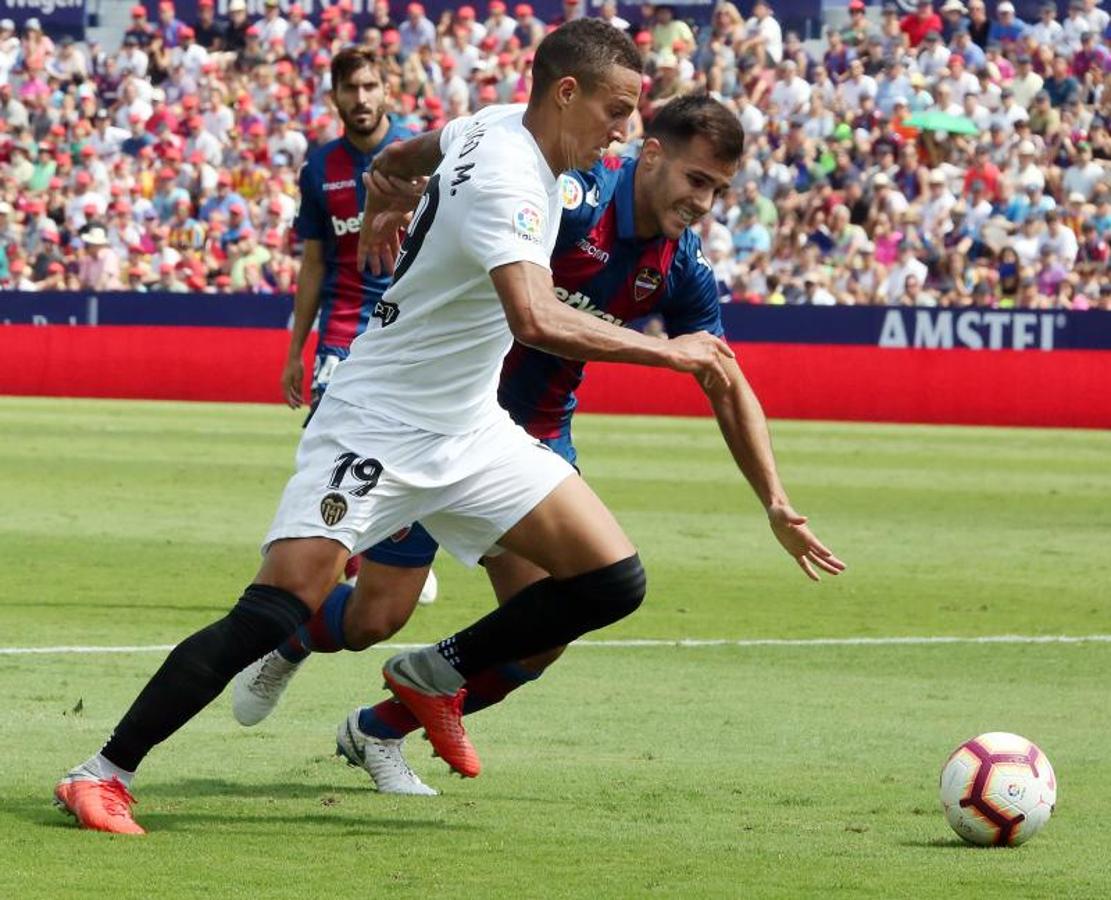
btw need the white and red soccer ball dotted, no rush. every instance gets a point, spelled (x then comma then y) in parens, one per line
(998, 789)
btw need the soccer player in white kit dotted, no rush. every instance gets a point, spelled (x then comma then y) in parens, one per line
(410, 428)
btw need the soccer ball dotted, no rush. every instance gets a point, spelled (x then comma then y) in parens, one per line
(998, 789)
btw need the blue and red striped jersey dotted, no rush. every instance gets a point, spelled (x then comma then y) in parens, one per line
(332, 198)
(601, 267)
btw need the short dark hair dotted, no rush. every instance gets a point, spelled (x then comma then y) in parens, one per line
(694, 115)
(348, 61)
(585, 49)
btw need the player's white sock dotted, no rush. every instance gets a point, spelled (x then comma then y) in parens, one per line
(98, 768)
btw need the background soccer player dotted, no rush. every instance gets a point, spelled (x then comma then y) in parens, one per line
(624, 251)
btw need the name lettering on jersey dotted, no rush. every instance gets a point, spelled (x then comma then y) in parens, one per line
(460, 175)
(570, 192)
(528, 223)
(472, 137)
(580, 301)
(646, 283)
(385, 311)
(347, 226)
(338, 185)
(603, 256)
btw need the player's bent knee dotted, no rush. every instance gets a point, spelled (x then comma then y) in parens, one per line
(614, 591)
(363, 634)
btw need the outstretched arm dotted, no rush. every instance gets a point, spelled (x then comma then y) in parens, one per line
(538, 319)
(745, 429)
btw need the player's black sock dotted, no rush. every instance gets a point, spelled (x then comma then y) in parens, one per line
(200, 667)
(545, 615)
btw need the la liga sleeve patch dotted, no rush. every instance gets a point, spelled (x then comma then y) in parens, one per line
(528, 223)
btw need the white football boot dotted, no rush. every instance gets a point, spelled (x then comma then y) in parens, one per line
(257, 689)
(382, 759)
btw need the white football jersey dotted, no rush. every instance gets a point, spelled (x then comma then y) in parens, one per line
(433, 353)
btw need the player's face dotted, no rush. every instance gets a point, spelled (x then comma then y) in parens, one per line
(360, 100)
(684, 183)
(592, 120)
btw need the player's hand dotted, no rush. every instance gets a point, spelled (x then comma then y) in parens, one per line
(790, 530)
(293, 380)
(705, 356)
(389, 205)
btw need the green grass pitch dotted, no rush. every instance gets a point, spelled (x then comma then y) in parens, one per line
(718, 771)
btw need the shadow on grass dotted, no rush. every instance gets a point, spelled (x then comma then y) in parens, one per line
(942, 843)
(343, 818)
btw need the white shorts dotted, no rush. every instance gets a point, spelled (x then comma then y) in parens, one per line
(362, 477)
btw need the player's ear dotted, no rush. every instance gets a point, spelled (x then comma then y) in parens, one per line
(566, 89)
(651, 153)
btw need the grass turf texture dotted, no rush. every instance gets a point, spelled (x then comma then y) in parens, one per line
(719, 771)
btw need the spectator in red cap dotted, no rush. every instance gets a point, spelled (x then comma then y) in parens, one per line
(139, 29)
(169, 25)
(530, 30)
(499, 24)
(222, 201)
(190, 55)
(416, 31)
(209, 30)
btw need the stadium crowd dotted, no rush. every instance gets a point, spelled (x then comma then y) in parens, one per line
(169, 163)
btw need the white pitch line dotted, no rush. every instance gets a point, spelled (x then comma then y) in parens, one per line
(678, 642)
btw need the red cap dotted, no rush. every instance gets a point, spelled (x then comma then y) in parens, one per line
(275, 205)
(84, 178)
(296, 10)
(166, 268)
(55, 268)
(321, 60)
(447, 61)
(390, 36)
(123, 206)
(56, 183)
(856, 4)
(256, 129)
(171, 153)
(138, 12)
(88, 150)
(196, 157)
(329, 12)
(223, 280)
(224, 178)
(253, 31)
(522, 9)
(643, 38)
(116, 189)
(187, 32)
(89, 208)
(415, 9)
(488, 43)
(197, 283)
(496, 6)
(135, 117)
(433, 103)
(465, 12)
(236, 209)
(272, 238)
(166, 172)
(166, 4)
(504, 59)
(195, 122)
(205, 3)
(488, 93)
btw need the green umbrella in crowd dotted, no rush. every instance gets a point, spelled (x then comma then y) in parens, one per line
(940, 121)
